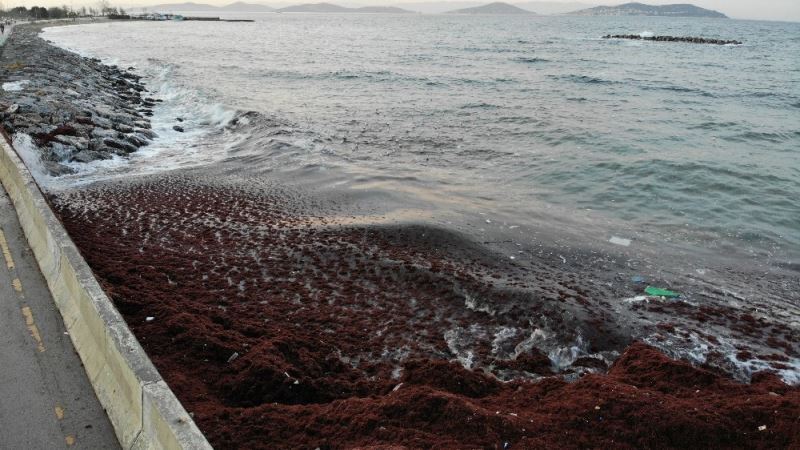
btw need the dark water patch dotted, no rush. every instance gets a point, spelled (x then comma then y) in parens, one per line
(530, 60)
(762, 136)
(488, 50)
(583, 79)
(675, 88)
(480, 105)
(711, 126)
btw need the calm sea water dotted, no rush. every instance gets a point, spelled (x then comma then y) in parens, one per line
(519, 116)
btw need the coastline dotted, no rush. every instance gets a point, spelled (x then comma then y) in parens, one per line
(349, 282)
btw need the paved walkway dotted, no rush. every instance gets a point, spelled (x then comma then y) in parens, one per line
(46, 401)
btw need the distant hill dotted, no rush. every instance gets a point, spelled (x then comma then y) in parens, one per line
(315, 8)
(640, 9)
(547, 7)
(382, 10)
(331, 8)
(202, 7)
(246, 7)
(187, 7)
(492, 8)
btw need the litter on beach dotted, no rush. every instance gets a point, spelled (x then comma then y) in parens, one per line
(14, 86)
(620, 241)
(660, 292)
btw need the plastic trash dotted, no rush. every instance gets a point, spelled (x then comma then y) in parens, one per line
(660, 292)
(620, 241)
(637, 279)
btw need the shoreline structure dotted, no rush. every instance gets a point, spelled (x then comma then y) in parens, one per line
(143, 410)
(326, 336)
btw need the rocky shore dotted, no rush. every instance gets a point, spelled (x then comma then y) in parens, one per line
(75, 109)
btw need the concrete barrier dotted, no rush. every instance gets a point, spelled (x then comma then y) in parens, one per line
(143, 410)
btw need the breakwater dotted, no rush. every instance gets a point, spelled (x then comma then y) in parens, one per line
(74, 109)
(688, 39)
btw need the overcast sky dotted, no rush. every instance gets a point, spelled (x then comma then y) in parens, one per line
(744, 9)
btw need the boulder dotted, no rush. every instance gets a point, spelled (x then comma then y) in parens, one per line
(103, 133)
(61, 152)
(146, 133)
(80, 143)
(134, 140)
(57, 169)
(123, 128)
(119, 145)
(102, 122)
(86, 156)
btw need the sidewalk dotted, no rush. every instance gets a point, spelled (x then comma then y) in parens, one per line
(46, 400)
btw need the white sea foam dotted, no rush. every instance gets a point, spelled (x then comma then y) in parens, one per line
(13, 86)
(31, 156)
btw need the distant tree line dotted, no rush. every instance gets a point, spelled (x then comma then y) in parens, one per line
(103, 8)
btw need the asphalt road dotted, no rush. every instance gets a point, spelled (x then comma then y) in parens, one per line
(46, 401)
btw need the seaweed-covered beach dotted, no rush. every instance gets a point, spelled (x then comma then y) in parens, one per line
(288, 314)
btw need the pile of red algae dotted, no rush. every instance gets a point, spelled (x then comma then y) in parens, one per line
(278, 329)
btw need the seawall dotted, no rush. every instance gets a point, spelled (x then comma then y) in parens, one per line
(143, 410)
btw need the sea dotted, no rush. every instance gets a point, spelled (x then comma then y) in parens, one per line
(515, 130)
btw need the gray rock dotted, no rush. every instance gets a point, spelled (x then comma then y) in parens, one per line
(102, 121)
(80, 143)
(134, 140)
(119, 145)
(147, 133)
(57, 169)
(62, 152)
(123, 127)
(103, 133)
(178, 128)
(86, 156)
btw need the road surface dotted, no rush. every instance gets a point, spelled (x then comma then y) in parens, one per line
(46, 401)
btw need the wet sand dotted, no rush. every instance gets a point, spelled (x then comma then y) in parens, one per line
(279, 328)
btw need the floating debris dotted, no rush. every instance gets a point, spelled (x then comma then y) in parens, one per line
(620, 241)
(660, 292)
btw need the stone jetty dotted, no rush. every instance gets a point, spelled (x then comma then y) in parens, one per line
(73, 108)
(689, 39)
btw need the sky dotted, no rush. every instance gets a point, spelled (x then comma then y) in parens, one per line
(742, 9)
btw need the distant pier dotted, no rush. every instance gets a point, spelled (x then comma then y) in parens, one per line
(176, 17)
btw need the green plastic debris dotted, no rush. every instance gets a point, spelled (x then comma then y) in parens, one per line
(659, 292)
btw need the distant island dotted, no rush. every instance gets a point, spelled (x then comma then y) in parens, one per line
(331, 8)
(628, 9)
(640, 9)
(492, 8)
